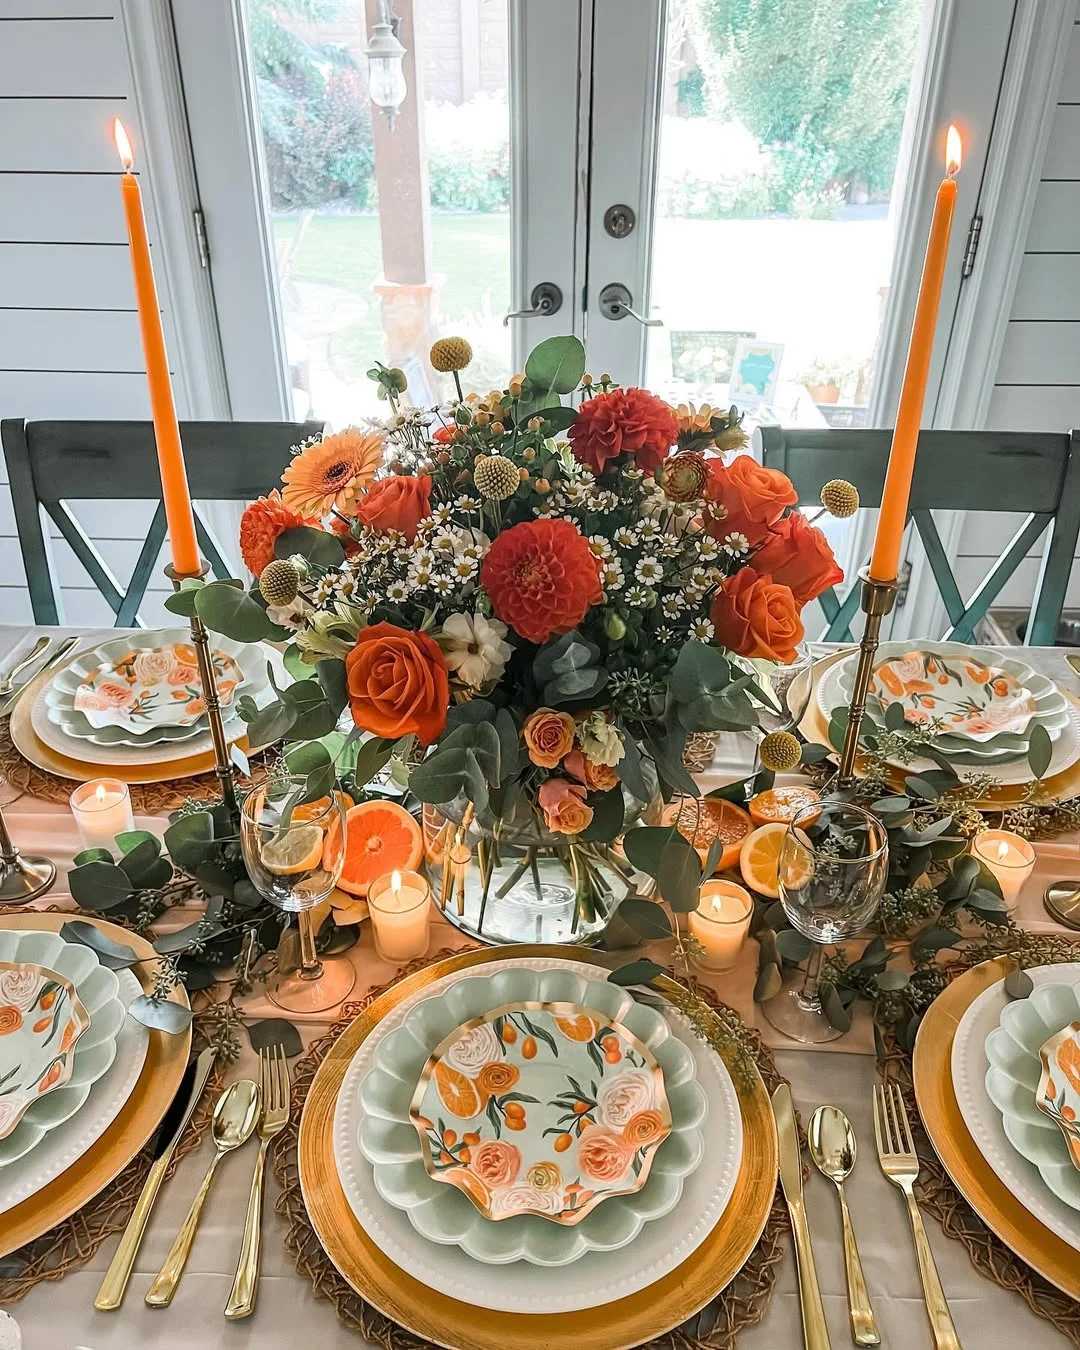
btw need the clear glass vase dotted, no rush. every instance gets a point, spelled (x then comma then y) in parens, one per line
(512, 880)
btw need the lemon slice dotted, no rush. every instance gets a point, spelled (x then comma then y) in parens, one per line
(300, 850)
(759, 860)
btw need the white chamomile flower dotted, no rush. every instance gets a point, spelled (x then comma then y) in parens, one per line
(611, 577)
(649, 529)
(423, 557)
(443, 514)
(324, 589)
(467, 503)
(445, 541)
(465, 568)
(649, 569)
(442, 586)
(640, 597)
(600, 547)
(397, 591)
(603, 502)
(701, 630)
(633, 474)
(699, 576)
(673, 604)
(474, 648)
(625, 537)
(664, 633)
(670, 547)
(346, 588)
(708, 548)
(420, 576)
(693, 595)
(736, 543)
(576, 494)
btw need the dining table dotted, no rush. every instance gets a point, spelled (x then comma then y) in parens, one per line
(61, 1316)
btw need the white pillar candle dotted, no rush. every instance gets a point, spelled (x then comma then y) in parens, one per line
(102, 810)
(400, 908)
(1009, 857)
(720, 923)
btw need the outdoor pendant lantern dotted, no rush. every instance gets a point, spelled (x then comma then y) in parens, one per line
(386, 79)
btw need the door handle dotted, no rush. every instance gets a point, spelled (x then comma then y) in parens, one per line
(545, 300)
(616, 302)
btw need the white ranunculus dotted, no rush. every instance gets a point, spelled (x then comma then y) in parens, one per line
(601, 741)
(474, 648)
(623, 1097)
(474, 1048)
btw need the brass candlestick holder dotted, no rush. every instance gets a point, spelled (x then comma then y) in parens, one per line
(876, 601)
(21, 879)
(223, 765)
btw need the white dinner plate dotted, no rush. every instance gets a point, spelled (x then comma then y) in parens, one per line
(982, 1117)
(597, 1277)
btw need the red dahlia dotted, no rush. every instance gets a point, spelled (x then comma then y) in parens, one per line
(260, 526)
(624, 421)
(541, 578)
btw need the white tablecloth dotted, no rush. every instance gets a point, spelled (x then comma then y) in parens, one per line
(61, 1316)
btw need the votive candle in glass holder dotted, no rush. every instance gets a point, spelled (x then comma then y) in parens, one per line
(1009, 856)
(399, 905)
(102, 810)
(720, 923)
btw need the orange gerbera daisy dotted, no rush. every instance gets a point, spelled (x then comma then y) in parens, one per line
(328, 474)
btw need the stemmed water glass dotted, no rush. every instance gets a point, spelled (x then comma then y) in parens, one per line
(790, 687)
(294, 852)
(834, 864)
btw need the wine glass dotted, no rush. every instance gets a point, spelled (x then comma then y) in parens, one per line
(294, 851)
(790, 687)
(834, 864)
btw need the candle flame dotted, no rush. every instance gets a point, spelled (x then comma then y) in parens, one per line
(395, 881)
(123, 144)
(1002, 850)
(953, 152)
(99, 794)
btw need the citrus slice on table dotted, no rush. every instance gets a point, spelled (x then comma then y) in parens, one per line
(313, 810)
(577, 1026)
(759, 859)
(782, 805)
(459, 1094)
(297, 850)
(380, 837)
(704, 819)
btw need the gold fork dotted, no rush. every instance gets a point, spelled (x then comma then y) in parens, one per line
(900, 1163)
(274, 1081)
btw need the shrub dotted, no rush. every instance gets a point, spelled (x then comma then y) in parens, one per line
(468, 150)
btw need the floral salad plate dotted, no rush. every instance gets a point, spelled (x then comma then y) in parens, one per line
(1058, 1093)
(142, 688)
(971, 698)
(541, 1108)
(41, 1019)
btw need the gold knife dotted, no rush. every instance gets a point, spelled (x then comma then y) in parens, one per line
(114, 1285)
(815, 1329)
(57, 656)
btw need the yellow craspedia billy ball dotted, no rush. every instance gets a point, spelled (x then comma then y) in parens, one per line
(450, 353)
(840, 498)
(496, 477)
(280, 582)
(780, 751)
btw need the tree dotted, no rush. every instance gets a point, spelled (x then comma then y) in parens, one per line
(823, 84)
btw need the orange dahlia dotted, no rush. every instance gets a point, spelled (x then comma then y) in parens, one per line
(328, 474)
(541, 577)
(623, 421)
(260, 526)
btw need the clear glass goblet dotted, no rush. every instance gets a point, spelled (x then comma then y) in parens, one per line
(294, 853)
(789, 687)
(834, 864)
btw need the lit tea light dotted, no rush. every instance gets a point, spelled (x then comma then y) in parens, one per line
(399, 904)
(102, 810)
(720, 923)
(1009, 857)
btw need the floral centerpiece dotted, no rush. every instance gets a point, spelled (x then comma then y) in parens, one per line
(529, 607)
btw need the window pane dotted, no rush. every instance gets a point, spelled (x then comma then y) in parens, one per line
(773, 241)
(385, 236)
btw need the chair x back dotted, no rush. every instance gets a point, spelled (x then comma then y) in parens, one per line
(52, 463)
(1033, 472)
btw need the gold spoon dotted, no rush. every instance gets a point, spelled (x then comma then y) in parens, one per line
(235, 1117)
(833, 1149)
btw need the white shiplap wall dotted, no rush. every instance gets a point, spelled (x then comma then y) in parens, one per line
(1037, 387)
(69, 336)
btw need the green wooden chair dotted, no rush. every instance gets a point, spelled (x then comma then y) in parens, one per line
(1034, 472)
(53, 463)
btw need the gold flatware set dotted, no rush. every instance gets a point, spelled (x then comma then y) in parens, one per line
(243, 1108)
(833, 1149)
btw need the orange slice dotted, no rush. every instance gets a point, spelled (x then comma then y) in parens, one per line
(300, 849)
(1068, 1058)
(579, 1027)
(717, 818)
(380, 837)
(313, 810)
(458, 1094)
(783, 804)
(759, 859)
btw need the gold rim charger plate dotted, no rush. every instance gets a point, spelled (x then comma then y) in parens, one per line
(446, 1321)
(32, 748)
(1046, 1253)
(1057, 787)
(166, 1060)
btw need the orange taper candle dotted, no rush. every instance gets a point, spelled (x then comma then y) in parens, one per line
(174, 484)
(885, 561)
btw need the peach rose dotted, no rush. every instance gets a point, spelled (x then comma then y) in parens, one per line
(153, 667)
(549, 735)
(563, 805)
(496, 1162)
(544, 1176)
(398, 683)
(11, 1019)
(756, 616)
(596, 777)
(116, 694)
(797, 555)
(497, 1077)
(397, 503)
(644, 1128)
(184, 675)
(602, 1155)
(746, 488)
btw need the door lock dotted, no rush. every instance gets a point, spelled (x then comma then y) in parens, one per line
(619, 220)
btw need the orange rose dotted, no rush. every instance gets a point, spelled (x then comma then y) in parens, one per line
(596, 777)
(496, 1162)
(548, 736)
(10, 1020)
(396, 503)
(747, 488)
(563, 805)
(497, 1077)
(644, 1128)
(602, 1155)
(755, 616)
(798, 556)
(398, 683)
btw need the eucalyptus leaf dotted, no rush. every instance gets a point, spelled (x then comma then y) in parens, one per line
(794, 946)
(608, 812)
(644, 847)
(112, 954)
(265, 1032)
(646, 917)
(160, 1014)
(131, 839)
(1040, 750)
(314, 716)
(441, 776)
(712, 858)
(180, 939)
(372, 757)
(89, 855)
(99, 886)
(557, 418)
(1018, 983)
(812, 753)
(833, 1008)
(331, 676)
(769, 983)
(934, 939)
(292, 657)
(189, 840)
(679, 875)
(556, 365)
(314, 764)
(182, 602)
(316, 546)
(637, 972)
(225, 609)
(892, 980)
(138, 862)
(919, 785)
(630, 770)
